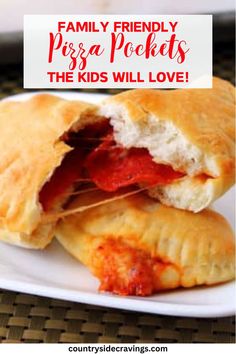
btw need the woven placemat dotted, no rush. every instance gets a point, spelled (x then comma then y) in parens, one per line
(27, 318)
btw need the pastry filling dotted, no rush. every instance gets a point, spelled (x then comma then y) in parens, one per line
(96, 158)
(125, 270)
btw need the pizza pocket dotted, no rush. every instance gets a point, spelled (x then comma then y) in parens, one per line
(136, 246)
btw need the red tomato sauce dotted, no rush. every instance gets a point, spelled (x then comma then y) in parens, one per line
(125, 270)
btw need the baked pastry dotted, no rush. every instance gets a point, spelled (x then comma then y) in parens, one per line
(136, 246)
(190, 130)
(32, 146)
(177, 145)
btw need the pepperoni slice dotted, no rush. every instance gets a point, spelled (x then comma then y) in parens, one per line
(111, 167)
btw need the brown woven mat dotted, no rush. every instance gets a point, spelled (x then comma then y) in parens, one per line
(27, 318)
(30, 318)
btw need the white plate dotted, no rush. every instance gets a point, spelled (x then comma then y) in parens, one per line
(54, 273)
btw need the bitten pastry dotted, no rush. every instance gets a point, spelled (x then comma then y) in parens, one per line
(190, 130)
(136, 246)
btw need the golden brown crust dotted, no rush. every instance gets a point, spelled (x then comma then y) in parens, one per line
(198, 248)
(30, 151)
